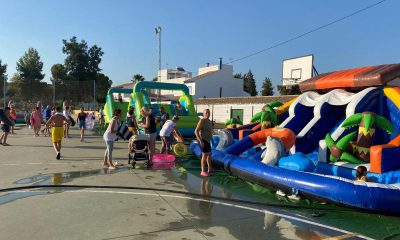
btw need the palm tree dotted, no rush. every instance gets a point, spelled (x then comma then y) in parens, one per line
(358, 152)
(137, 78)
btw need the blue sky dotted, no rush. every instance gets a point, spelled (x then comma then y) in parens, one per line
(196, 32)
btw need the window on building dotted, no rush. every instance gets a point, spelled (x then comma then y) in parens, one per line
(237, 113)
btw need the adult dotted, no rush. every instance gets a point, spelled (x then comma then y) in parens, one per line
(131, 121)
(204, 131)
(5, 127)
(67, 115)
(150, 128)
(109, 137)
(57, 122)
(82, 122)
(13, 117)
(164, 116)
(166, 134)
(46, 114)
(36, 121)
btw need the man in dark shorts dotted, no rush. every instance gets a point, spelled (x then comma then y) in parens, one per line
(5, 126)
(204, 131)
(150, 129)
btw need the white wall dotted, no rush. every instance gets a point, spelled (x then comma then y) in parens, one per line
(222, 112)
(209, 86)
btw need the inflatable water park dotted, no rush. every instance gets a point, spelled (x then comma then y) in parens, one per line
(139, 97)
(314, 145)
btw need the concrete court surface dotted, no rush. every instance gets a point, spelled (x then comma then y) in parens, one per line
(118, 213)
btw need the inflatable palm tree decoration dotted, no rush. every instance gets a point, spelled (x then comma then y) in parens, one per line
(357, 152)
(267, 117)
(233, 121)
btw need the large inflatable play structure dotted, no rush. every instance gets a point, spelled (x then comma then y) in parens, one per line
(139, 98)
(341, 121)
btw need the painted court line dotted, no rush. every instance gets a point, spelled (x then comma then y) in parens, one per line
(40, 163)
(347, 234)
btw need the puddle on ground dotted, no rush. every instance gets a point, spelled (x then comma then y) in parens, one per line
(64, 177)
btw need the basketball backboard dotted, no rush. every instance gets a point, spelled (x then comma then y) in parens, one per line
(296, 70)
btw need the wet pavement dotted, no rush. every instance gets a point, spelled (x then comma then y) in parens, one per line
(74, 198)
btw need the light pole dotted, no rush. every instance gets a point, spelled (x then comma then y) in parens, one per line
(54, 90)
(94, 94)
(158, 32)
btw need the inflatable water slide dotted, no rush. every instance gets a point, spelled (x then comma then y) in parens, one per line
(139, 97)
(112, 102)
(343, 120)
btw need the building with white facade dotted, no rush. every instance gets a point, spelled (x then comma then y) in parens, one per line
(212, 82)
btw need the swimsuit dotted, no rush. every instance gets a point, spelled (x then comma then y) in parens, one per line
(57, 134)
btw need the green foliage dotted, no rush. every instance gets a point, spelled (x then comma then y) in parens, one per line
(155, 79)
(267, 88)
(62, 83)
(238, 75)
(28, 79)
(249, 84)
(137, 78)
(81, 68)
(293, 90)
(103, 83)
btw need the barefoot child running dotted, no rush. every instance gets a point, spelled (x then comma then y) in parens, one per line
(57, 121)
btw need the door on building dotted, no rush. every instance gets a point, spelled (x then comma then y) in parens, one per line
(237, 113)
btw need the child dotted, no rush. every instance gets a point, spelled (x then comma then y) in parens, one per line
(361, 174)
(5, 127)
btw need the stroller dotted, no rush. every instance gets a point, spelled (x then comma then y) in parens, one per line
(138, 150)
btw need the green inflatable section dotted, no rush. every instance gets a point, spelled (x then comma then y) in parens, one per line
(139, 97)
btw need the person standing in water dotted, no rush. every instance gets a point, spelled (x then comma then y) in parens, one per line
(57, 122)
(203, 133)
(109, 137)
(82, 122)
(150, 129)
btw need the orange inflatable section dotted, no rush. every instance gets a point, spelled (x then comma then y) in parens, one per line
(286, 135)
(376, 154)
(346, 77)
(254, 129)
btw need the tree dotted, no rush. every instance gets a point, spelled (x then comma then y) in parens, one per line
(103, 83)
(82, 66)
(29, 69)
(155, 79)
(293, 90)
(249, 84)
(137, 78)
(64, 87)
(238, 75)
(3, 71)
(267, 88)
(14, 89)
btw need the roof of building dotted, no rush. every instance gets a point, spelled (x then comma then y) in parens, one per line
(245, 100)
(125, 85)
(353, 78)
(200, 76)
